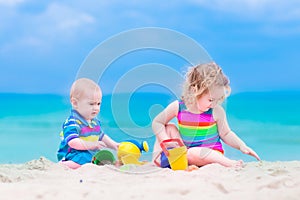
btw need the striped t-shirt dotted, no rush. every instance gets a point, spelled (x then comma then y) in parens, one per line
(77, 127)
(198, 130)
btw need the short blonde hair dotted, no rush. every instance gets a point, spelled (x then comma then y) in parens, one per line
(80, 86)
(200, 78)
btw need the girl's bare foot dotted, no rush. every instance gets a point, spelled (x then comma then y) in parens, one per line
(234, 163)
(191, 168)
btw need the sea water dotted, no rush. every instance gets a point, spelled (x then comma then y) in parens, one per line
(30, 123)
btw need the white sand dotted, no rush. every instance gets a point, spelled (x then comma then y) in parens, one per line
(42, 179)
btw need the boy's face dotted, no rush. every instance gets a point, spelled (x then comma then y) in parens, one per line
(88, 105)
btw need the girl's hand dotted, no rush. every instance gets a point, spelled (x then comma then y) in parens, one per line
(249, 151)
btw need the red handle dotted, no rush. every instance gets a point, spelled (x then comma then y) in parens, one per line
(155, 160)
(163, 145)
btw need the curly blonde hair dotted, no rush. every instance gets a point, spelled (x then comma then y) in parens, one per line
(200, 78)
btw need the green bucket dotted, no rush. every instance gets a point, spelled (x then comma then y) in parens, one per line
(103, 157)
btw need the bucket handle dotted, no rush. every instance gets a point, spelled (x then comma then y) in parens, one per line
(156, 158)
(164, 148)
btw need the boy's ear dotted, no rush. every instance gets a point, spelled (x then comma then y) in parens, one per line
(74, 102)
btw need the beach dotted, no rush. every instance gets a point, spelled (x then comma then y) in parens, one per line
(44, 179)
(34, 132)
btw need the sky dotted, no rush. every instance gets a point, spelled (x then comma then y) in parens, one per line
(43, 44)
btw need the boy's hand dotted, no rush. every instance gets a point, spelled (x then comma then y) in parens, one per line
(100, 145)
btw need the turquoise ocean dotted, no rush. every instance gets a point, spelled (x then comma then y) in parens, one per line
(268, 122)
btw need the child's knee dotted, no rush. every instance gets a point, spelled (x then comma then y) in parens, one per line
(172, 130)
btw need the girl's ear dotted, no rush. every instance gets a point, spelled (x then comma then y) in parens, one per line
(227, 91)
(194, 90)
(74, 102)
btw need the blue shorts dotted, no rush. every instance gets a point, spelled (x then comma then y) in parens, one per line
(80, 157)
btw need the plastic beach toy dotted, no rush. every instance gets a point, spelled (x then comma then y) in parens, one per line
(175, 157)
(129, 152)
(103, 157)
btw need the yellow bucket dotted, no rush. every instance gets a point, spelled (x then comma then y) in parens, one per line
(177, 156)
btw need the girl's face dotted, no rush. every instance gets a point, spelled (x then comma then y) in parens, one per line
(89, 104)
(210, 99)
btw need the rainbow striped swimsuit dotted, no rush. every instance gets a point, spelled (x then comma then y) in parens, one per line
(198, 130)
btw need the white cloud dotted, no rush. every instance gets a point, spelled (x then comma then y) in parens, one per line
(60, 20)
(57, 24)
(271, 17)
(63, 22)
(11, 2)
(255, 9)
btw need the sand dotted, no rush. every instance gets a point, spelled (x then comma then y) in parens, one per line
(43, 179)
